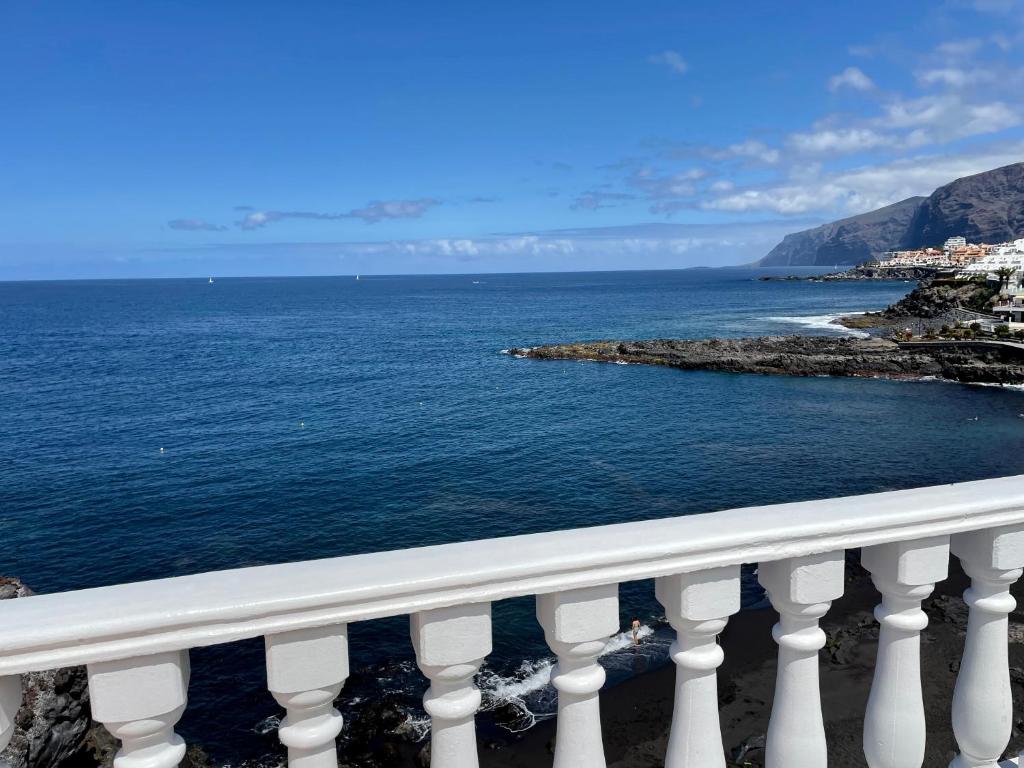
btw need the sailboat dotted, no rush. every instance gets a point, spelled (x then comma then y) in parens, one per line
(210, 280)
(357, 277)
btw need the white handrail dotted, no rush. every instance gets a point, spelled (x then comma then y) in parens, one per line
(129, 620)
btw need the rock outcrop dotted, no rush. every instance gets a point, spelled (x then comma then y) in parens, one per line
(54, 718)
(807, 356)
(986, 207)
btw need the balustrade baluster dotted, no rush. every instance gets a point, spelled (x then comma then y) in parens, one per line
(306, 669)
(10, 702)
(982, 702)
(905, 573)
(697, 606)
(450, 645)
(801, 589)
(576, 625)
(140, 700)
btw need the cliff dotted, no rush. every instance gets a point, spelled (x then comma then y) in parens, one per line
(986, 207)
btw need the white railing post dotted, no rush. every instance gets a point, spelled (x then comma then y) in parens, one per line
(306, 669)
(577, 624)
(982, 701)
(140, 700)
(698, 606)
(450, 645)
(10, 702)
(801, 589)
(905, 573)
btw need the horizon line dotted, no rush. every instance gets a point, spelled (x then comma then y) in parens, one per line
(353, 275)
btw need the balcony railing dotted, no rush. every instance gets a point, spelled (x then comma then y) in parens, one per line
(135, 638)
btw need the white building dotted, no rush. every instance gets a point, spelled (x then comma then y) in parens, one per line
(1008, 255)
(954, 242)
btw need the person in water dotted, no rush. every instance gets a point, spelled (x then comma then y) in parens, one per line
(636, 630)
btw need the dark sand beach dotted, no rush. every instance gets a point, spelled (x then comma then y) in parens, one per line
(636, 714)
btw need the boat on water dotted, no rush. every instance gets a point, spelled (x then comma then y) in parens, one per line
(210, 280)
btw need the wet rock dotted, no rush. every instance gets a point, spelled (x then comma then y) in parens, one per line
(507, 716)
(806, 356)
(54, 718)
(751, 749)
(950, 610)
(1017, 675)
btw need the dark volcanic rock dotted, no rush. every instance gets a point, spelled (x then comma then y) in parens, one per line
(986, 207)
(54, 717)
(862, 272)
(806, 356)
(934, 300)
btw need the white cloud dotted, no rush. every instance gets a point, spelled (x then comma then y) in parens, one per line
(945, 118)
(868, 187)
(955, 77)
(372, 213)
(596, 199)
(671, 59)
(660, 186)
(753, 149)
(964, 47)
(195, 225)
(851, 77)
(839, 141)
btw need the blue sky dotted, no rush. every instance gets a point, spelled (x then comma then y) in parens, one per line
(191, 138)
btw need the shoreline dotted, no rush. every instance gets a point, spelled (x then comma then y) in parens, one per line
(971, 362)
(637, 713)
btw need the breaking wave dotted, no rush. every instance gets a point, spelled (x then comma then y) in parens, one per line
(520, 700)
(822, 323)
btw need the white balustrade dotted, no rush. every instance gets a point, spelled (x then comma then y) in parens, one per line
(905, 573)
(10, 702)
(982, 702)
(801, 589)
(306, 670)
(450, 645)
(135, 638)
(577, 625)
(697, 606)
(140, 700)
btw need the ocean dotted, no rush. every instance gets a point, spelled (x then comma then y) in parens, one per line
(154, 428)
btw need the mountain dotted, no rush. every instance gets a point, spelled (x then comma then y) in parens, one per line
(986, 207)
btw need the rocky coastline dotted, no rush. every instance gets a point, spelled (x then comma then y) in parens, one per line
(861, 272)
(977, 362)
(886, 352)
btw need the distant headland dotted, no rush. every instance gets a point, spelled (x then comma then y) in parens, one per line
(985, 207)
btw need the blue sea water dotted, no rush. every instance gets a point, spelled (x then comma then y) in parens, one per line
(314, 417)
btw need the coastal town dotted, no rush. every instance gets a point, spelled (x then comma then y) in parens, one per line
(963, 321)
(958, 256)
(964, 290)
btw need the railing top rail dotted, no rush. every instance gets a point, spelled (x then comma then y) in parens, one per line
(128, 620)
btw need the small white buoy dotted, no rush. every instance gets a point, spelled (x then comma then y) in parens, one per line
(161, 450)
(302, 425)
